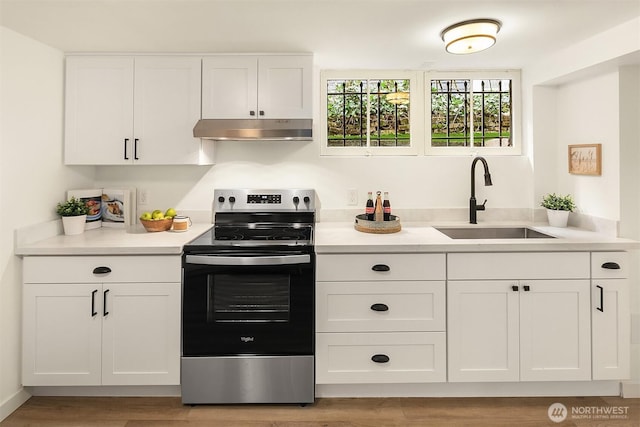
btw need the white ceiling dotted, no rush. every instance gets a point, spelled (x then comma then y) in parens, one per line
(341, 33)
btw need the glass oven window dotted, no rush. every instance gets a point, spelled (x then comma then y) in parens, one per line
(256, 298)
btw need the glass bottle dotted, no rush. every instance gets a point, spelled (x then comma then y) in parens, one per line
(378, 214)
(368, 210)
(386, 207)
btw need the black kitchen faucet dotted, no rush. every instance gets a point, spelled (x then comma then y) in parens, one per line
(473, 206)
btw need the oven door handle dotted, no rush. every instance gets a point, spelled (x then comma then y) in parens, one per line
(248, 260)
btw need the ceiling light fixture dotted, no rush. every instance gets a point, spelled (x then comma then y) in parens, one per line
(470, 36)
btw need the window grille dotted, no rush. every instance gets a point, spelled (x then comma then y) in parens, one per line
(467, 112)
(363, 113)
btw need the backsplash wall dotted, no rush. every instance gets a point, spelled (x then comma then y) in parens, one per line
(413, 182)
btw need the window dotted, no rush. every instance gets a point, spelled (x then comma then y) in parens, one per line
(473, 112)
(368, 114)
(410, 113)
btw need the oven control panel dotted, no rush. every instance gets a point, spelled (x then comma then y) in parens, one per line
(264, 198)
(230, 200)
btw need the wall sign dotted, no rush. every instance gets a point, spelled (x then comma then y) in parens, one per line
(585, 159)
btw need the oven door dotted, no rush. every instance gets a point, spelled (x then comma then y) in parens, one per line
(248, 303)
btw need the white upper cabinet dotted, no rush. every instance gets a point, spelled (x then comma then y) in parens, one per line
(133, 110)
(99, 110)
(245, 87)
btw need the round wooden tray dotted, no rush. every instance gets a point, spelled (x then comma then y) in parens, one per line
(377, 227)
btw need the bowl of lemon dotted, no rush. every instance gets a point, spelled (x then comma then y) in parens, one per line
(157, 220)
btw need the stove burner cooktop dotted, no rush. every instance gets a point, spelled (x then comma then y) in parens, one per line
(258, 218)
(265, 232)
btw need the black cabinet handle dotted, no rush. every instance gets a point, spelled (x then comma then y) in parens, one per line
(380, 307)
(380, 358)
(611, 266)
(101, 270)
(93, 303)
(601, 308)
(381, 267)
(526, 288)
(261, 112)
(126, 142)
(135, 149)
(104, 302)
(252, 113)
(514, 288)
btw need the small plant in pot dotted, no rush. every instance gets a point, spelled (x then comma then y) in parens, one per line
(558, 208)
(74, 215)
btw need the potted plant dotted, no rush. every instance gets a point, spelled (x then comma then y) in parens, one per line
(74, 215)
(558, 208)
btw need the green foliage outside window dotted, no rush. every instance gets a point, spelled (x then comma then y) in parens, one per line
(452, 102)
(359, 111)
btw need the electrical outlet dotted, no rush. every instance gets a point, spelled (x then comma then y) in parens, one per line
(352, 197)
(143, 197)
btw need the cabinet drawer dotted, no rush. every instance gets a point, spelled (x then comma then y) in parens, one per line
(380, 306)
(413, 357)
(603, 265)
(519, 265)
(335, 267)
(80, 269)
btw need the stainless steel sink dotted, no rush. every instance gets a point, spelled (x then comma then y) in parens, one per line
(492, 233)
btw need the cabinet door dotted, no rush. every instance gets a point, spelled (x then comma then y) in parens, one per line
(141, 334)
(166, 108)
(611, 335)
(61, 334)
(555, 338)
(229, 87)
(482, 330)
(284, 87)
(99, 110)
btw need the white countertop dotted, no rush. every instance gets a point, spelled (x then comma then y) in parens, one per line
(341, 237)
(330, 237)
(113, 241)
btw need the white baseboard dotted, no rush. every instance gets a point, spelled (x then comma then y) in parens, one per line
(12, 403)
(631, 389)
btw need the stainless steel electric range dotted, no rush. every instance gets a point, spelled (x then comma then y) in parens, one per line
(248, 301)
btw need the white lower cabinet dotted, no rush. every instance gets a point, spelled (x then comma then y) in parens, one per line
(610, 316)
(380, 318)
(532, 329)
(86, 328)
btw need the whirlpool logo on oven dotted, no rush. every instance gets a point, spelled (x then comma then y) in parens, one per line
(246, 339)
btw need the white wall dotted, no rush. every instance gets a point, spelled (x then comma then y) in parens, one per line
(413, 182)
(32, 178)
(586, 113)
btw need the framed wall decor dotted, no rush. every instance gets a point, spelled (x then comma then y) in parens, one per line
(585, 159)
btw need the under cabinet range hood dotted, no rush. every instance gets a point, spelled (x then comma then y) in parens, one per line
(254, 129)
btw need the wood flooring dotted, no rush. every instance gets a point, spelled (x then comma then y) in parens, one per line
(326, 412)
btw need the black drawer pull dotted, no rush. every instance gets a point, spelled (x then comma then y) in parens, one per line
(93, 303)
(101, 270)
(380, 358)
(135, 149)
(381, 267)
(104, 303)
(526, 288)
(380, 307)
(514, 288)
(601, 308)
(611, 266)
